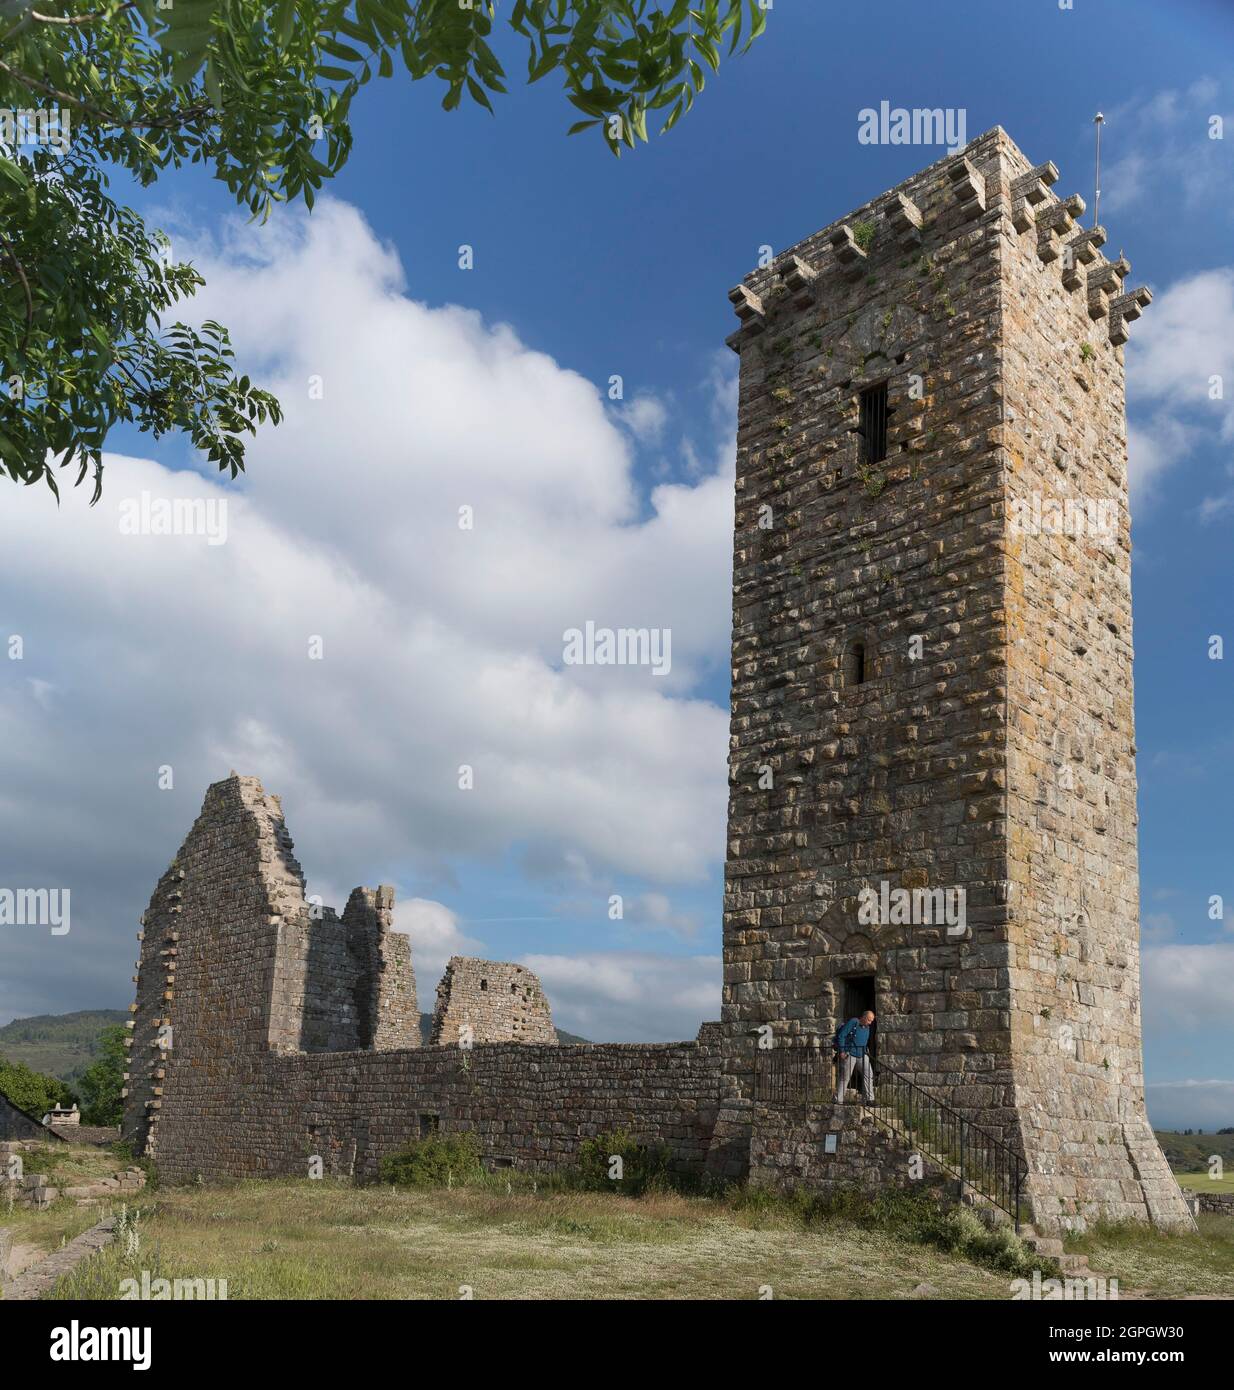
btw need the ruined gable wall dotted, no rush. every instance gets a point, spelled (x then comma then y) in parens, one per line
(501, 1002)
(235, 960)
(209, 946)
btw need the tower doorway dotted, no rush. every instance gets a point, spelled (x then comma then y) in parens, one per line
(857, 998)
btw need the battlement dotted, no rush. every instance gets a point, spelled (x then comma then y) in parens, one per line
(991, 186)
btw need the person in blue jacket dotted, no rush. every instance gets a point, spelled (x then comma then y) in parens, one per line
(852, 1044)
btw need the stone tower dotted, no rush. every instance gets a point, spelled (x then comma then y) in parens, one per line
(932, 770)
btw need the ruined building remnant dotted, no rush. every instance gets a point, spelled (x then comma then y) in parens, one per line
(497, 1001)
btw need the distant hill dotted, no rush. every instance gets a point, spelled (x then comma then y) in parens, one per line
(60, 1045)
(64, 1045)
(1189, 1153)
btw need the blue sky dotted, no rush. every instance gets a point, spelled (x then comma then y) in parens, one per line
(594, 783)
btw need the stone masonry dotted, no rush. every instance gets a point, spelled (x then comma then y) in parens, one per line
(932, 674)
(267, 1032)
(500, 1002)
(932, 775)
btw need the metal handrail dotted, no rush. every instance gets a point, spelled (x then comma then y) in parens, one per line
(797, 1074)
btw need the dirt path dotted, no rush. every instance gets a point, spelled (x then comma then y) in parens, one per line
(37, 1277)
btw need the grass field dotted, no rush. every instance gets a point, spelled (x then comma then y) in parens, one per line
(300, 1239)
(1166, 1266)
(1202, 1182)
(319, 1240)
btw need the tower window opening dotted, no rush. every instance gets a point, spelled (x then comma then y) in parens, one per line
(873, 423)
(855, 664)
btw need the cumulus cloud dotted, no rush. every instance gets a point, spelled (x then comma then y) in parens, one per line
(402, 560)
(1187, 989)
(612, 996)
(1180, 369)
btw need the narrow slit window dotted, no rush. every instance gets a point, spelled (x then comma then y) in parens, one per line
(855, 664)
(873, 423)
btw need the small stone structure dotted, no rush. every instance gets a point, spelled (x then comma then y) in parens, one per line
(15, 1124)
(67, 1116)
(497, 1001)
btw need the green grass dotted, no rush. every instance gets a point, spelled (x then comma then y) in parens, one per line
(64, 1165)
(1165, 1265)
(321, 1240)
(1201, 1182)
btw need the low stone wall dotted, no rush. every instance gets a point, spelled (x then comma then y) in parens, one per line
(88, 1134)
(788, 1149)
(529, 1106)
(1219, 1203)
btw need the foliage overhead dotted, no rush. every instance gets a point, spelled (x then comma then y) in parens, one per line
(259, 93)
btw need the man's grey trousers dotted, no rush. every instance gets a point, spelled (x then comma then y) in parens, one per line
(847, 1064)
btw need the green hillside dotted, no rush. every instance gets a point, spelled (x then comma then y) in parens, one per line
(1189, 1153)
(60, 1045)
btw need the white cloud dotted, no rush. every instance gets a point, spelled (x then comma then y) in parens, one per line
(600, 995)
(1187, 990)
(1160, 149)
(645, 417)
(1180, 354)
(435, 936)
(441, 646)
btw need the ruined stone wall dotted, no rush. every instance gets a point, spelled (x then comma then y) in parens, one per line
(15, 1124)
(529, 1105)
(990, 661)
(235, 961)
(243, 990)
(497, 1000)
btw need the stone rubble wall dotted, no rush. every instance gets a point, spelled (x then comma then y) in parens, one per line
(528, 1104)
(256, 989)
(15, 1124)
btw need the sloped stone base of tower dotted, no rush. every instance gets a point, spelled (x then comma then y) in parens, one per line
(1080, 1172)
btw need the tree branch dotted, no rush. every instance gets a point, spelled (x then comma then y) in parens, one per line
(25, 284)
